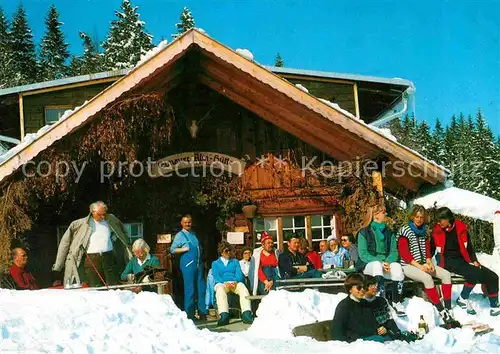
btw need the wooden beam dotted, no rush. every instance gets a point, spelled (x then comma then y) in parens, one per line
(263, 75)
(289, 110)
(70, 86)
(356, 99)
(314, 78)
(279, 232)
(21, 115)
(270, 117)
(309, 231)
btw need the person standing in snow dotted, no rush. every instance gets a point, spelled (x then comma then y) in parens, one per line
(229, 278)
(186, 245)
(378, 254)
(24, 280)
(415, 251)
(264, 269)
(455, 253)
(101, 241)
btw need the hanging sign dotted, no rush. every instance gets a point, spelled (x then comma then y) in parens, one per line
(210, 162)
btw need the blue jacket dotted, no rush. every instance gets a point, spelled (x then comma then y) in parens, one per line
(187, 239)
(231, 272)
(133, 266)
(335, 259)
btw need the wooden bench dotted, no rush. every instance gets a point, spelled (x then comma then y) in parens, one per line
(334, 286)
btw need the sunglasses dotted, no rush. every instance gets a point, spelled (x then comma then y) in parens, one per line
(344, 239)
(359, 287)
(226, 250)
(247, 252)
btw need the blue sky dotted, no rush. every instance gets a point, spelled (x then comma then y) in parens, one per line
(449, 49)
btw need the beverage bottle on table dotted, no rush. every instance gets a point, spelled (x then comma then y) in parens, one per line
(422, 327)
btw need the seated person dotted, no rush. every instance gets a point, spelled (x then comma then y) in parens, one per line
(354, 320)
(23, 278)
(229, 278)
(264, 267)
(245, 263)
(323, 247)
(142, 259)
(335, 256)
(293, 264)
(347, 241)
(312, 256)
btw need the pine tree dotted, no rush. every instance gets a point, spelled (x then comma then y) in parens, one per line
(395, 128)
(53, 49)
(127, 39)
(450, 142)
(424, 139)
(24, 63)
(6, 73)
(437, 151)
(187, 22)
(464, 168)
(485, 159)
(90, 61)
(409, 132)
(278, 61)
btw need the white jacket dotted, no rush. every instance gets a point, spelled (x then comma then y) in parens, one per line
(253, 275)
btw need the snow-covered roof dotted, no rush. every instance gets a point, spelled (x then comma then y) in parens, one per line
(63, 82)
(314, 121)
(278, 70)
(463, 202)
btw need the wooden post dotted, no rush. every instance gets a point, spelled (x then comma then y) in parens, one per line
(279, 232)
(309, 231)
(356, 99)
(21, 115)
(377, 183)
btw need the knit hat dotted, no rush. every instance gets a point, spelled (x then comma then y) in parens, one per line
(265, 236)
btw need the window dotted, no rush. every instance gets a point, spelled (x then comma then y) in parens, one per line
(134, 231)
(321, 227)
(54, 113)
(269, 225)
(293, 224)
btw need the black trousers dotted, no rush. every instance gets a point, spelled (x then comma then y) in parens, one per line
(472, 274)
(105, 264)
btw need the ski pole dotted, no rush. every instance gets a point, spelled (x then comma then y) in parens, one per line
(93, 266)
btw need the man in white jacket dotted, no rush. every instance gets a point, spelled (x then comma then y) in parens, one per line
(264, 269)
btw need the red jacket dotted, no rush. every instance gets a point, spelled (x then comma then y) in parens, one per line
(439, 237)
(24, 279)
(315, 259)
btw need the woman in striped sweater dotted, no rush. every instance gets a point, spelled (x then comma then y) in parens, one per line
(414, 250)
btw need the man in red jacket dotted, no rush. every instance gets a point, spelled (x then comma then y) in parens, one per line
(24, 279)
(455, 253)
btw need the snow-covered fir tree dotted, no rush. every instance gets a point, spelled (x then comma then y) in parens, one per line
(409, 132)
(90, 62)
(278, 61)
(437, 150)
(485, 159)
(53, 49)
(450, 142)
(127, 39)
(464, 172)
(6, 73)
(24, 63)
(187, 22)
(424, 139)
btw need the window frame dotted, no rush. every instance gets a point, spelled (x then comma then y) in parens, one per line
(323, 227)
(54, 107)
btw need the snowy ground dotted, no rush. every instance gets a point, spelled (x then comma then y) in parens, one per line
(79, 321)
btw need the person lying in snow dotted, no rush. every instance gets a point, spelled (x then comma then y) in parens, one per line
(415, 251)
(455, 253)
(229, 278)
(378, 255)
(355, 316)
(264, 266)
(24, 280)
(293, 264)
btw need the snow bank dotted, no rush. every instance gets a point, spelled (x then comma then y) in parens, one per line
(80, 321)
(245, 53)
(463, 202)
